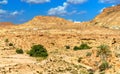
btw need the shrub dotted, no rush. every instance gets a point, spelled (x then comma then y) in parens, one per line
(10, 44)
(82, 46)
(76, 48)
(104, 66)
(80, 59)
(88, 54)
(19, 51)
(38, 51)
(6, 40)
(91, 71)
(83, 71)
(67, 47)
(103, 51)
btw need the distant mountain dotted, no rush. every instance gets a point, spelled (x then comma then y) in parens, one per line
(5, 24)
(109, 18)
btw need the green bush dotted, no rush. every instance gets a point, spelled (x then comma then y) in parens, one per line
(10, 44)
(82, 46)
(76, 48)
(104, 66)
(67, 47)
(88, 54)
(103, 51)
(6, 40)
(80, 59)
(19, 51)
(38, 51)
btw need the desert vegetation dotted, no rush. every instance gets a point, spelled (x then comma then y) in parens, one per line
(82, 47)
(103, 51)
(19, 51)
(38, 51)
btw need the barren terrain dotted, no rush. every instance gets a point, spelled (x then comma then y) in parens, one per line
(55, 34)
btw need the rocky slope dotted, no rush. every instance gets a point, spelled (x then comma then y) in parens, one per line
(110, 17)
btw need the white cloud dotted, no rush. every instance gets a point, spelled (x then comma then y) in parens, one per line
(14, 13)
(8, 14)
(113, 5)
(60, 10)
(110, 1)
(2, 11)
(82, 12)
(4, 2)
(76, 1)
(36, 1)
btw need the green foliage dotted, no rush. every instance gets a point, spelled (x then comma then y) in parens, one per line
(10, 44)
(67, 47)
(83, 71)
(91, 71)
(103, 47)
(82, 46)
(103, 51)
(104, 66)
(88, 54)
(80, 59)
(38, 51)
(19, 51)
(76, 48)
(6, 40)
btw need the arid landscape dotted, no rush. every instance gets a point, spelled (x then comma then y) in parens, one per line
(72, 48)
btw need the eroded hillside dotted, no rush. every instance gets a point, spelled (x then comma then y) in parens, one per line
(110, 17)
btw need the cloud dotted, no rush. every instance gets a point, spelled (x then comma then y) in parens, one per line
(14, 13)
(60, 10)
(110, 1)
(35, 1)
(4, 2)
(76, 1)
(82, 12)
(113, 5)
(8, 14)
(2, 11)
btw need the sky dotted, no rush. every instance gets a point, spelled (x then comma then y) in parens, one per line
(21, 11)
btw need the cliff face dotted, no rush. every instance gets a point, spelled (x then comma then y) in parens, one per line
(110, 17)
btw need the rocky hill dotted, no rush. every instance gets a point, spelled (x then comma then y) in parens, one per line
(48, 22)
(110, 17)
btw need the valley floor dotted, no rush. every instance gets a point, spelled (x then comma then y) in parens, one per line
(60, 60)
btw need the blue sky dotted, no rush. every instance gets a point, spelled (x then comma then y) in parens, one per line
(20, 11)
